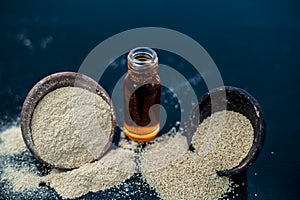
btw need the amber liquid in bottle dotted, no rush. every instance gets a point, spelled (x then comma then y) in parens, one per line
(142, 90)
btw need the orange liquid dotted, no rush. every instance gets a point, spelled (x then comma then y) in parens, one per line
(141, 124)
(141, 134)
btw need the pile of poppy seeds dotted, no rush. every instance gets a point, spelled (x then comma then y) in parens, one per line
(192, 175)
(65, 127)
(165, 168)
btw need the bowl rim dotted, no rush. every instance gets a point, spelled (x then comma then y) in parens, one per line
(55, 81)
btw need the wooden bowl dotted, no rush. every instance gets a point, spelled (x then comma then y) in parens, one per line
(237, 100)
(47, 85)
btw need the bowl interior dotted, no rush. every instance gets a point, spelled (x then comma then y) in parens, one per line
(47, 85)
(237, 100)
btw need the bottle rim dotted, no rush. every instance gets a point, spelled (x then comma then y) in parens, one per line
(142, 57)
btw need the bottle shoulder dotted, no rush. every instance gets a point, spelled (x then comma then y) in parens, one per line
(140, 81)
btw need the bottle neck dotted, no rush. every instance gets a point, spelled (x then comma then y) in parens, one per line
(142, 64)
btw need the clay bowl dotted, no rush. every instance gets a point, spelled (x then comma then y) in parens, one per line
(237, 100)
(47, 85)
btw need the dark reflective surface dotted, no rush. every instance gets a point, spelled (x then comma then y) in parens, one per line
(255, 44)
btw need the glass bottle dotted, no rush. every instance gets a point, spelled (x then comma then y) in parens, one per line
(142, 89)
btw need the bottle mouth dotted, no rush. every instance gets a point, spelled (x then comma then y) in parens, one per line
(142, 56)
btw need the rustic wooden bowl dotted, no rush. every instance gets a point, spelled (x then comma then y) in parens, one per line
(47, 85)
(237, 100)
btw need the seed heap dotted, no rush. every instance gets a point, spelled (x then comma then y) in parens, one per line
(193, 175)
(185, 177)
(166, 163)
(21, 179)
(110, 171)
(225, 144)
(12, 141)
(21, 176)
(163, 151)
(65, 127)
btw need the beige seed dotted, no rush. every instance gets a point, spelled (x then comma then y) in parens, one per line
(221, 142)
(226, 145)
(65, 127)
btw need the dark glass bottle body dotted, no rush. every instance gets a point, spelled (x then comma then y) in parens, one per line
(142, 90)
